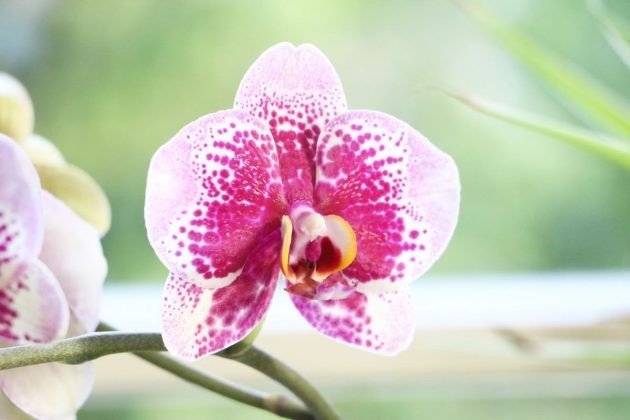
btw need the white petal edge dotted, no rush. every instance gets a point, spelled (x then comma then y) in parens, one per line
(73, 252)
(49, 391)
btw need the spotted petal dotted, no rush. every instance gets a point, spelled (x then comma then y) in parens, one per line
(32, 307)
(72, 250)
(21, 227)
(48, 391)
(296, 91)
(212, 192)
(380, 322)
(197, 321)
(399, 193)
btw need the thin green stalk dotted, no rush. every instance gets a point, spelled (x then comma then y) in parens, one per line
(611, 29)
(579, 90)
(282, 373)
(92, 346)
(274, 403)
(79, 349)
(144, 345)
(608, 147)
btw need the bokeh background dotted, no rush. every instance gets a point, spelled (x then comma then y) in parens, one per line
(113, 80)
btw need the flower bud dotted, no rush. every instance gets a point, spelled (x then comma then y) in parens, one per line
(42, 151)
(79, 191)
(16, 109)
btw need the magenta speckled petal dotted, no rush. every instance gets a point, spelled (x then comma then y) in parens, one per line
(48, 391)
(72, 251)
(381, 322)
(21, 226)
(296, 91)
(33, 308)
(197, 322)
(213, 191)
(399, 193)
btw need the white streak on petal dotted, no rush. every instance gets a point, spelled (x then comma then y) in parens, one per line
(33, 307)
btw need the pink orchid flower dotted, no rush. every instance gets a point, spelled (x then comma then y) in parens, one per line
(51, 273)
(350, 206)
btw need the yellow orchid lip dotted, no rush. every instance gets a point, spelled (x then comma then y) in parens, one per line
(339, 248)
(313, 251)
(287, 232)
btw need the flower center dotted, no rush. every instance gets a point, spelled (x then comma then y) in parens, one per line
(314, 247)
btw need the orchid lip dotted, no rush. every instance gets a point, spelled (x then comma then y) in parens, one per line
(314, 247)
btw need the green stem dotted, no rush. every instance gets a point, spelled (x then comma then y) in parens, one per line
(79, 349)
(274, 403)
(282, 373)
(92, 346)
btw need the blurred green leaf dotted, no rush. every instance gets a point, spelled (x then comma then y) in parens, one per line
(580, 91)
(615, 30)
(605, 146)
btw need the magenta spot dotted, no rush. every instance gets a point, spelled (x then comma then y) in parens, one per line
(313, 250)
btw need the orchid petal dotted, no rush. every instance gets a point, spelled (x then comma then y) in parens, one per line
(399, 193)
(79, 191)
(21, 226)
(296, 91)
(17, 116)
(72, 250)
(49, 391)
(197, 321)
(32, 307)
(8, 410)
(381, 322)
(211, 192)
(334, 287)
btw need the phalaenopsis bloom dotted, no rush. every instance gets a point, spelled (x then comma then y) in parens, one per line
(350, 206)
(51, 273)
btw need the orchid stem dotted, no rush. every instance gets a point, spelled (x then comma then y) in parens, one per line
(274, 403)
(87, 347)
(79, 349)
(282, 373)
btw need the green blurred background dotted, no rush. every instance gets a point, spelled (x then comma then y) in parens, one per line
(113, 80)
